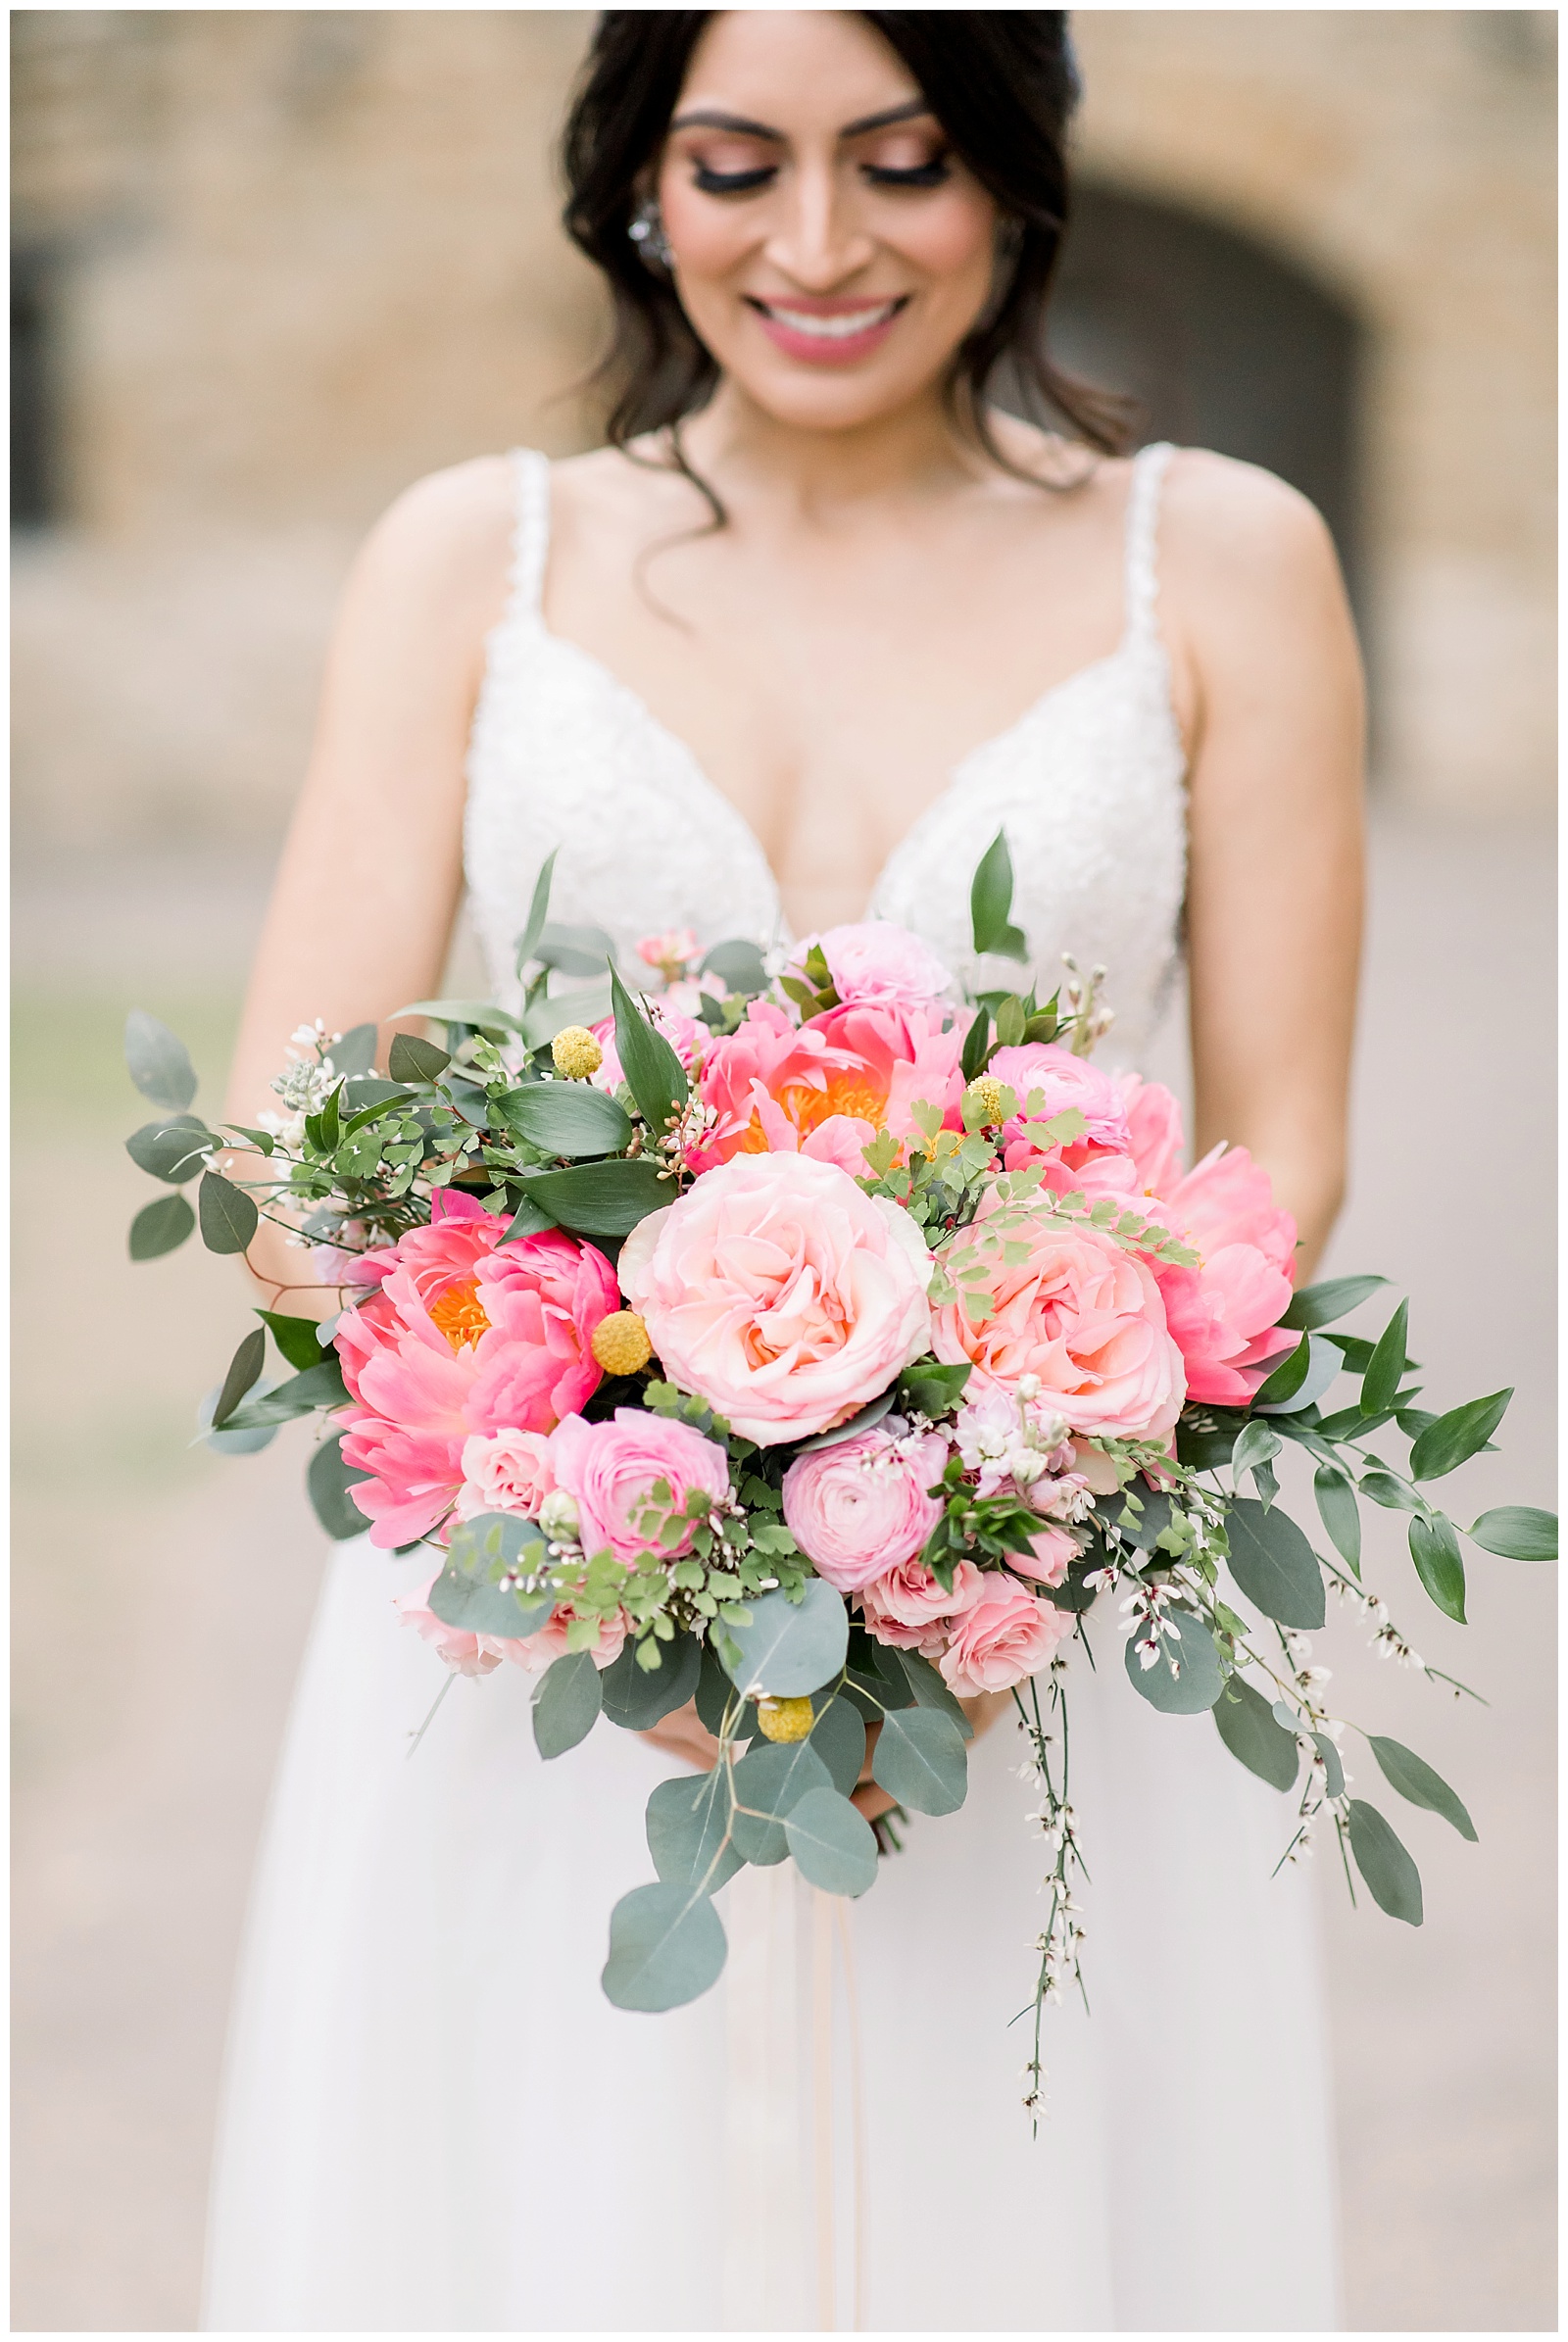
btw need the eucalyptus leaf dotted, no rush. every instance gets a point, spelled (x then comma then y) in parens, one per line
(160, 1227)
(1522, 1532)
(483, 1015)
(919, 1760)
(479, 1608)
(566, 1705)
(1391, 1877)
(1415, 1779)
(1457, 1435)
(410, 1059)
(244, 1369)
(172, 1150)
(1246, 1723)
(769, 1782)
(872, 1412)
(1439, 1563)
(1274, 1566)
(833, 1844)
(739, 967)
(319, 1385)
(1323, 1364)
(667, 1947)
(1323, 1304)
(839, 1737)
(567, 1118)
(688, 1820)
(158, 1061)
(228, 1216)
(355, 1052)
(637, 1698)
(929, 1688)
(579, 949)
(327, 1482)
(715, 1697)
(791, 1647)
(1199, 1678)
(231, 1441)
(1333, 1769)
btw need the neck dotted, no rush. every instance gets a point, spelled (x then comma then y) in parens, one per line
(742, 448)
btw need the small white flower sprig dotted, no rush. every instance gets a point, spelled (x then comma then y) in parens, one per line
(1060, 1939)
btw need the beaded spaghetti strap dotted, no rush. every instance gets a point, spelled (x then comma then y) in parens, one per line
(530, 534)
(1143, 527)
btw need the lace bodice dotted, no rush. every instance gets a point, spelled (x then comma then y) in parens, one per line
(1089, 785)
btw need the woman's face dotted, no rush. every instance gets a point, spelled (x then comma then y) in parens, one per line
(830, 248)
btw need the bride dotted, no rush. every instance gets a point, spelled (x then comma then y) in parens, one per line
(786, 653)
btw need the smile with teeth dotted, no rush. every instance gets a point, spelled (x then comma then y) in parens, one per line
(840, 327)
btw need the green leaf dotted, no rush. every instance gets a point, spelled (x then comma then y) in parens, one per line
(244, 1368)
(1200, 1680)
(228, 1216)
(1274, 1566)
(1256, 1444)
(410, 1059)
(1333, 1769)
(538, 912)
(319, 1385)
(990, 904)
(1439, 1563)
(1415, 1779)
(483, 1015)
(605, 1199)
(566, 1706)
(1457, 1435)
(930, 1389)
(771, 1780)
(530, 1219)
(1322, 1304)
(577, 949)
(861, 1421)
(174, 1151)
(1246, 1723)
(653, 1073)
(1392, 1492)
(158, 1062)
(839, 1737)
(833, 1844)
(479, 1608)
(368, 1097)
(976, 1046)
(1341, 1514)
(667, 1946)
(686, 1824)
(1311, 1367)
(565, 1118)
(929, 1686)
(919, 1760)
(636, 1697)
(1380, 1385)
(297, 1337)
(1394, 1881)
(159, 1227)
(1520, 1531)
(738, 965)
(355, 1054)
(327, 1482)
(791, 1647)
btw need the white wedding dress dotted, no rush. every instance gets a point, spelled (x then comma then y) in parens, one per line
(433, 2119)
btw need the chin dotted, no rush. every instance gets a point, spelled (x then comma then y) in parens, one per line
(807, 400)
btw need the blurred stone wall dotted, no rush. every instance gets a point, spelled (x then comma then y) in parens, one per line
(275, 265)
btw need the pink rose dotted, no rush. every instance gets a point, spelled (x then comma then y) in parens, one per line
(1003, 1638)
(467, 1654)
(611, 1468)
(1077, 1312)
(1053, 1551)
(907, 1608)
(860, 1507)
(505, 1472)
(781, 1293)
(878, 964)
(464, 1335)
(774, 1085)
(1225, 1313)
(1063, 1081)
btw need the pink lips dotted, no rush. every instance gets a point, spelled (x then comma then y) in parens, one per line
(827, 329)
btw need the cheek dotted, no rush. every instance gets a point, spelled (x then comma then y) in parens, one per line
(709, 238)
(951, 241)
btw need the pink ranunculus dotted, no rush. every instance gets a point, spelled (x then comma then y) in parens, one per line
(876, 964)
(1225, 1313)
(1006, 1634)
(1053, 1551)
(505, 1472)
(781, 1291)
(773, 1084)
(1155, 1130)
(686, 1037)
(861, 1506)
(908, 1607)
(668, 952)
(1077, 1312)
(464, 1335)
(1063, 1081)
(610, 1469)
(467, 1654)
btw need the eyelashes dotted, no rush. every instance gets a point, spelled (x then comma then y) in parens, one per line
(745, 183)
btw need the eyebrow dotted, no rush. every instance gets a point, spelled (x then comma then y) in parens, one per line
(712, 117)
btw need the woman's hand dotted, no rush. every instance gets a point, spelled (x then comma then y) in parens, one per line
(684, 1735)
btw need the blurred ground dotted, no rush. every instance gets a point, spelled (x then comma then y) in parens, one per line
(162, 1597)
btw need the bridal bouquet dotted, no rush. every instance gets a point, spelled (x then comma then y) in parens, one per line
(815, 1346)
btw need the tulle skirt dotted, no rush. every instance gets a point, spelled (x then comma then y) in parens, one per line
(434, 2122)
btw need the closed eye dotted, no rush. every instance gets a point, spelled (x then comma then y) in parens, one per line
(734, 182)
(922, 175)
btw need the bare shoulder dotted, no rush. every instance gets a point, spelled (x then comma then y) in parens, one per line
(622, 494)
(442, 550)
(1233, 529)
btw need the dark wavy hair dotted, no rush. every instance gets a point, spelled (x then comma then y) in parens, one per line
(1001, 82)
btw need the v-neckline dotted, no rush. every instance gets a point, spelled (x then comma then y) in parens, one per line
(698, 773)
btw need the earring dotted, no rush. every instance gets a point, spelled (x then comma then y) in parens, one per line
(646, 232)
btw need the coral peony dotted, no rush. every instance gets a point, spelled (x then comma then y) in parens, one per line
(1006, 1634)
(1154, 1132)
(1224, 1314)
(611, 1468)
(781, 1291)
(775, 1086)
(878, 964)
(861, 1506)
(463, 1334)
(1073, 1310)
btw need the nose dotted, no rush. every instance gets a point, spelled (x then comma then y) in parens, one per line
(817, 240)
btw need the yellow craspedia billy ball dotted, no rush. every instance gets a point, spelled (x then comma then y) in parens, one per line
(784, 1719)
(620, 1343)
(577, 1053)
